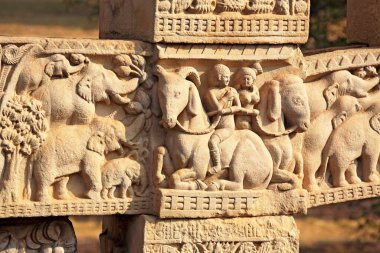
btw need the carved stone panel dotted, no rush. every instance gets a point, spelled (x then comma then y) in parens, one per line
(123, 127)
(54, 235)
(207, 21)
(151, 235)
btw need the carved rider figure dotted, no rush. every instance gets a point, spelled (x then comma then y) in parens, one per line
(222, 102)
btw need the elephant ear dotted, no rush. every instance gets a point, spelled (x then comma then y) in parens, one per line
(339, 119)
(84, 89)
(97, 143)
(375, 123)
(331, 94)
(274, 101)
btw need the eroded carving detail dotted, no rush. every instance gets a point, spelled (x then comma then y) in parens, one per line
(265, 234)
(37, 236)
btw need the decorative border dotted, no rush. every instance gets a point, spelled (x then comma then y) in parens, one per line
(84, 46)
(341, 59)
(344, 194)
(228, 52)
(231, 28)
(79, 207)
(203, 204)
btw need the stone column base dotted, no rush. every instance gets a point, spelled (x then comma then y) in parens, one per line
(148, 234)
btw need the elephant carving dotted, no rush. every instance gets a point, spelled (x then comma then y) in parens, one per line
(41, 70)
(93, 84)
(184, 161)
(123, 172)
(358, 137)
(284, 109)
(323, 92)
(76, 149)
(316, 137)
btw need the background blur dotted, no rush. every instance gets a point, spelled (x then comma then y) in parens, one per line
(345, 228)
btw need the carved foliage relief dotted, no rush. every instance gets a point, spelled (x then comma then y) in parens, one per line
(73, 126)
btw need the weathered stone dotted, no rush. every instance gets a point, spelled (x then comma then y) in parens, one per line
(206, 21)
(37, 235)
(148, 234)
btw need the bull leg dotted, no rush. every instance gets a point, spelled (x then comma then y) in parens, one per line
(283, 180)
(162, 163)
(185, 179)
(222, 185)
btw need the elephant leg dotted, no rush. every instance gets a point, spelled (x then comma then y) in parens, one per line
(126, 188)
(185, 179)
(111, 192)
(338, 166)
(60, 188)
(104, 193)
(93, 177)
(43, 181)
(352, 175)
(370, 173)
(311, 164)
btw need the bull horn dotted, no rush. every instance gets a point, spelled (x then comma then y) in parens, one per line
(191, 74)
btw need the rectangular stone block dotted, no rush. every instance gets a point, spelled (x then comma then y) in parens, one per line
(206, 21)
(152, 235)
(362, 22)
(203, 204)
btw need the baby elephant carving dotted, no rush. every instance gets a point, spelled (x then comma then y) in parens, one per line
(358, 137)
(123, 172)
(76, 149)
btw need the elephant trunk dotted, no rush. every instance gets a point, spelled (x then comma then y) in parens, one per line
(120, 87)
(140, 189)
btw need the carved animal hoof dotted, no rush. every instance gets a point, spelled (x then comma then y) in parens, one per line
(342, 183)
(42, 198)
(312, 188)
(285, 187)
(354, 180)
(201, 185)
(214, 186)
(373, 178)
(93, 195)
(61, 196)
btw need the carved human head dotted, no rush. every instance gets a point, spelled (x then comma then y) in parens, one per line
(222, 75)
(247, 77)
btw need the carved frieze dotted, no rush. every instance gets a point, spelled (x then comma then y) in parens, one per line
(149, 234)
(207, 21)
(98, 127)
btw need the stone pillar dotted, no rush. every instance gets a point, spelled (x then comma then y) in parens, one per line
(149, 234)
(363, 22)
